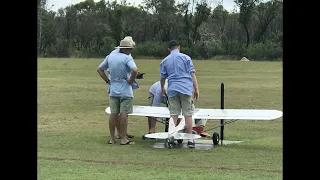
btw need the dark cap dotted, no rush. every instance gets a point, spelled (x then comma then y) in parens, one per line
(173, 43)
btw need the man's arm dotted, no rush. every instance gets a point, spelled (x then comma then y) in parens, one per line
(102, 67)
(163, 77)
(134, 70)
(195, 82)
(162, 82)
(103, 75)
(194, 79)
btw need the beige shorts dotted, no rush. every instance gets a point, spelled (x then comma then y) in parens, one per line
(181, 101)
(120, 104)
(150, 99)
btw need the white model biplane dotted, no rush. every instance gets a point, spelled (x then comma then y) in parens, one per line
(177, 132)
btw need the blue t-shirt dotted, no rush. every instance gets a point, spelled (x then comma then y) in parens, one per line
(119, 66)
(177, 67)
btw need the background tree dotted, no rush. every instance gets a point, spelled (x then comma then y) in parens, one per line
(246, 11)
(205, 29)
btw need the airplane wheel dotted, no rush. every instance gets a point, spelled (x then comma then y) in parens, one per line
(180, 141)
(143, 137)
(169, 143)
(215, 138)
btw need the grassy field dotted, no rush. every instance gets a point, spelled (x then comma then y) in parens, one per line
(73, 127)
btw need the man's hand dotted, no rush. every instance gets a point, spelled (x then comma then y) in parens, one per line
(163, 92)
(133, 76)
(130, 81)
(195, 86)
(164, 99)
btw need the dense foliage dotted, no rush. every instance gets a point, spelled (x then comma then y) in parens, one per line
(93, 29)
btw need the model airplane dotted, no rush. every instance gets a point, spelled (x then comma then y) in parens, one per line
(176, 132)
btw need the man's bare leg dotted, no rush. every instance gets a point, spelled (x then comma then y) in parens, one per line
(128, 135)
(152, 124)
(175, 119)
(149, 123)
(178, 121)
(189, 128)
(188, 120)
(123, 127)
(118, 129)
(112, 125)
(118, 125)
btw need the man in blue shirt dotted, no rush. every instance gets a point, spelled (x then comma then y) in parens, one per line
(156, 99)
(123, 71)
(182, 84)
(118, 120)
(117, 50)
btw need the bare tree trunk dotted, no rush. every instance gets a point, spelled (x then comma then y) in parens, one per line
(248, 36)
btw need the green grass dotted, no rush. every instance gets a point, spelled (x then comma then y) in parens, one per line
(73, 127)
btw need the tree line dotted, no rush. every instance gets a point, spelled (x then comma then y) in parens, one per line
(92, 29)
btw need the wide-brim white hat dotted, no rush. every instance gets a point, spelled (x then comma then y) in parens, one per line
(127, 42)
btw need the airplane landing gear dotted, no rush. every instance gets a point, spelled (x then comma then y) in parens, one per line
(169, 143)
(215, 138)
(180, 141)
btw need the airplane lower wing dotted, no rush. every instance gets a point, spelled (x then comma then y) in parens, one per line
(160, 135)
(164, 135)
(152, 111)
(186, 136)
(227, 114)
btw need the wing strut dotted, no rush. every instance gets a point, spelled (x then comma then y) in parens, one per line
(222, 107)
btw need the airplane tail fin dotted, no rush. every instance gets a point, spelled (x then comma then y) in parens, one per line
(181, 125)
(172, 126)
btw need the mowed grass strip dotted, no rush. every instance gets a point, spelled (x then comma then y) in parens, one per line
(75, 170)
(73, 127)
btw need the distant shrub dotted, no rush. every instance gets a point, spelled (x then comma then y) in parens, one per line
(151, 49)
(260, 51)
(214, 49)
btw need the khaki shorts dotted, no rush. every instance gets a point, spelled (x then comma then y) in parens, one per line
(120, 104)
(150, 98)
(181, 101)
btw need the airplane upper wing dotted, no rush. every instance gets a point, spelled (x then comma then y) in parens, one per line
(152, 111)
(240, 114)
